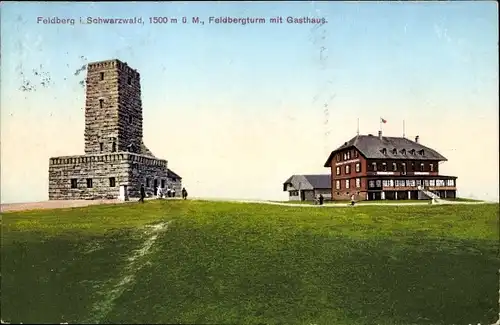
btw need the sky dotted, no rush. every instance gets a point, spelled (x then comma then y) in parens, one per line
(238, 108)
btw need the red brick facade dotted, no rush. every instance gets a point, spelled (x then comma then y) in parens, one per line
(373, 179)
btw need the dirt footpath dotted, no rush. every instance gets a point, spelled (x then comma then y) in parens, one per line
(54, 204)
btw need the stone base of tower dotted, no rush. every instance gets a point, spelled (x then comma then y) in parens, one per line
(100, 176)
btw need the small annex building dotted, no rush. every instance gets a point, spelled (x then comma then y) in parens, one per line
(307, 187)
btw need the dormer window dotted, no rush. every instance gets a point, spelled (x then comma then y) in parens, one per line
(403, 151)
(384, 151)
(394, 151)
(412, 151)
(421, 152)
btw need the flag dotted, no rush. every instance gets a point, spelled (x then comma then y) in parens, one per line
(382, 120)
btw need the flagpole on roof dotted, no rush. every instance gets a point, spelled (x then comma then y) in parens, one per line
(404, 128)
(358, 127)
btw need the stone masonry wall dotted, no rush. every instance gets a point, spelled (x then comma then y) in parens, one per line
(126, 168)
(175, 184)
(99, 168)
(146, 170)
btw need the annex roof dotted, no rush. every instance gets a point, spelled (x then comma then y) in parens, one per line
(309, 182)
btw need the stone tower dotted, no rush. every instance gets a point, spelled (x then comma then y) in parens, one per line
(113, 108)
(116, 161)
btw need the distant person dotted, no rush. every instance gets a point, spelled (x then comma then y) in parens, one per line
(143, 193)
(169, 192)
(159, 192)
(173, 192)
(321, 199)
(352, 200)
(184, 193)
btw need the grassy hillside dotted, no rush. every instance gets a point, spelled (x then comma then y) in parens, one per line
(231, 263)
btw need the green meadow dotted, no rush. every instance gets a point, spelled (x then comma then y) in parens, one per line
(245, 263)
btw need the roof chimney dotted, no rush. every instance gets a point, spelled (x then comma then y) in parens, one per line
(380, 134)
(416, 138)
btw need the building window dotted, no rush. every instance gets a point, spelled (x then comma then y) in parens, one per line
(394, 151)
(426, 182)
(421, 152)
(378, 183)
(431, 166)
(450, 182)
(404, 168)
(419, 182)
(439, 182)
(374, 166)
(358, 182)
(129, 80)
(356, 154)
(162, 183)
(432, 182)
(385, 182)
(384, 151)
(403, 151)
(101, 146)
(338, 157)
(347, 183)
(113, 147)
(384, 167)
(102, 75)
(422, 167)
(348, 155)
(147, 182)
(347, 169)
(345, 156)
(394, 166)
(112, 182)
(391, 183)
(155, 183)
(74, 183)
(371, 184)
(358, 168)
(411, 182)
(412, 151)
(294, 193)
(338, 170)
(101, 103)
(337, 185)
(89, 182)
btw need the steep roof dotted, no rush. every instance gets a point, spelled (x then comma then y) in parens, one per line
(372, 147)
(171, 174)
(309, 182)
